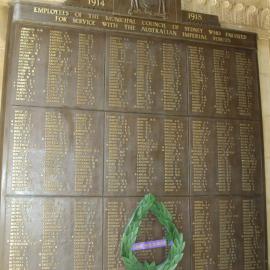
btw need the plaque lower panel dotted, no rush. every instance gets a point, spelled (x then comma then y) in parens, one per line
(227, 233)
(40, 232)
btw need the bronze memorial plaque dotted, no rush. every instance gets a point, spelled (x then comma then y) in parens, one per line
(109, 100)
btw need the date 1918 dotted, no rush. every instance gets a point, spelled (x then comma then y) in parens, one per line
(195, 16)
(96, 3)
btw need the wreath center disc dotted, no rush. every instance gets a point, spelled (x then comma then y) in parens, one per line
(173, 237)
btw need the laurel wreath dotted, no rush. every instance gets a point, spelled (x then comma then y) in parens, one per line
(175, 255)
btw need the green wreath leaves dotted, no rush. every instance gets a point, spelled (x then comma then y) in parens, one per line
(175, 255)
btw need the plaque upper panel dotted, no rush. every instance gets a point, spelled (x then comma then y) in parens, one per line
(62, 69)
(58, 68)
(146, 75)
(222, 82)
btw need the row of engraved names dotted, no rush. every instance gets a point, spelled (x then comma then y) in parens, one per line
(224, 233)
(64, 68)
(141, 153)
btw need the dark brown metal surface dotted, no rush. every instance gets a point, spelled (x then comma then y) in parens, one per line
(58, 68)
(145, 153)
(102, 109)
(55, 151)
(53, 233)
(146, 75)
(226, 157)
(195, 18)
(231, 73)
(149, 24)
(227, 233)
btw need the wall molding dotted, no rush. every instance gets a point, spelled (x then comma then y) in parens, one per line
(234, 12)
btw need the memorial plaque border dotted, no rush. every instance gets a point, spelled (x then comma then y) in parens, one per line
(28, 20)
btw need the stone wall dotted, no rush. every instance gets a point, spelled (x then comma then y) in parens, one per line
(264, 66)
(248, 15)
(3, 33)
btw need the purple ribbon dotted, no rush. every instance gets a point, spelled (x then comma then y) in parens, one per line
(150, 245)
